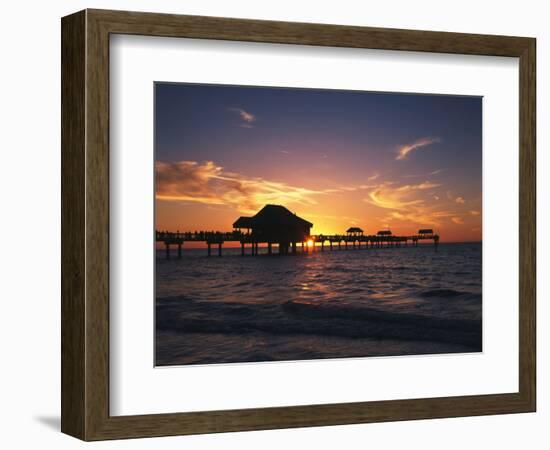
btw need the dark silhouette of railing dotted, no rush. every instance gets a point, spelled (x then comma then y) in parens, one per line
(199, 236)
(341, 241)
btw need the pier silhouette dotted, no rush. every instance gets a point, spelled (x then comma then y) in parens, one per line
(276, 225)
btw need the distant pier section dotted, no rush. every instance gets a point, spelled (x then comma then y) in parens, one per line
(275, 226)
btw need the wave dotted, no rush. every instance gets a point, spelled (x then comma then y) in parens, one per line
(443, 293)
(184, 315)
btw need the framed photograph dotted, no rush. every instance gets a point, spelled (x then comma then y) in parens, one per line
(273, 225)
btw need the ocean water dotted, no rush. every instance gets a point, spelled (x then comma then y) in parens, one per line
(331, 304)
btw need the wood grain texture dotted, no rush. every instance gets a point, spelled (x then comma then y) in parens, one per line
(151, 24)
(527, 224)
(73, 111)
(85, 223)
(97, 226)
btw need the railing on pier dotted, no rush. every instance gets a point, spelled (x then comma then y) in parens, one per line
(342, 241)
(199, 236)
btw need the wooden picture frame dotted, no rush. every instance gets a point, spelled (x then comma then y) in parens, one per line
(85, 224)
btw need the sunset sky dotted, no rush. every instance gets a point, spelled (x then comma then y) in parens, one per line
(335, 158)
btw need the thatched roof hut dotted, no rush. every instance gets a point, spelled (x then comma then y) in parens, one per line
(426, 231)
(243, 222)
(384, 233)
(354, 231)
(275, 223)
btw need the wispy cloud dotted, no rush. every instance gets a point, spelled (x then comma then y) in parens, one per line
(422, 175)
(458, 220)
(404, 150)
(422, 186)
(473, 212)
(411, 203)
(208, 183)
(247, 118)
(460, 200)
(387, 196)
(373, 177)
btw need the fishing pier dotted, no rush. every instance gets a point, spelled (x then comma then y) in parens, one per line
(276, 227)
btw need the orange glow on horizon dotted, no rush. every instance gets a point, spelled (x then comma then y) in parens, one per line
(195, 196)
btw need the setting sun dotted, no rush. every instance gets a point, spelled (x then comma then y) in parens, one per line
(310, 243)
